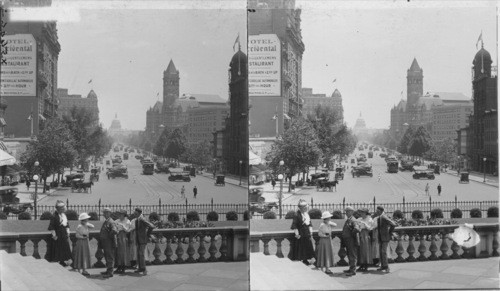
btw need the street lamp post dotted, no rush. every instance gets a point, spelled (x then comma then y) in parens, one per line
(484, 170)
(241, 163)
(280, 177)
(35, 198)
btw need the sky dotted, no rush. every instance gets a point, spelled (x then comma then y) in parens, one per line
(125, 51)
(369, 46)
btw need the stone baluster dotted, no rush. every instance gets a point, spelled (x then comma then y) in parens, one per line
(342, 254)
(223, 248)
(411, 248)
(202, 250)
(421, 248)
(99, 255)
(455, 248)
(22, 242)
(47, 242)
(399, 249)
(190, 250)
(495, 245)
(433, 248)
(157, 252)
(444, 246)
(168, 251)
(279, 249)
(467, 252)
(266, 245)
(179, 251)
(36, 253)
(212, 250)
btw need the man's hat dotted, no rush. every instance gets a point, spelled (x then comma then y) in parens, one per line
(106, 209)
(349, 208)
(302, 203)
(380, 208)
(138, 210)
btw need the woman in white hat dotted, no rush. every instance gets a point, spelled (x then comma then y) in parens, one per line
(58, 249)
(82, 249)
(324, 250)
(365, 245)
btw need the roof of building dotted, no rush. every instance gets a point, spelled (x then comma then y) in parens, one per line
(171, 68)
(158, 106)
(401, 105)
(414, 65)
(452, 96)
(203, 98)
(92, 94)
(482, 56)
(238, 57)
(336, 93)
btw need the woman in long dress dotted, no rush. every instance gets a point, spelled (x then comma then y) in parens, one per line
(82, 248)
(122, 255)
(375, 251)
(365, 246)
(324, 250)
(302, 246)
(132, 245)
(58, 246)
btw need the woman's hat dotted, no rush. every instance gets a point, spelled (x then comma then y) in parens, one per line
(83, 216)
(302, 203)
(122, 211)
(106, 209)
(326, 214)
(59, 203)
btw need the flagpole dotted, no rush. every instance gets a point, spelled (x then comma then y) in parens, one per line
(31, 120)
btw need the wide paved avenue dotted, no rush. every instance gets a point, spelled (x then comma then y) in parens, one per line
(147, 189)
(392, 187)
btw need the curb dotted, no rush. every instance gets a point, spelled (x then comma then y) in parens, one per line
(243, 185)
(473, 180)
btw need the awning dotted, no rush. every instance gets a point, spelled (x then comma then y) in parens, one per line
(6, 159)
(253, 159)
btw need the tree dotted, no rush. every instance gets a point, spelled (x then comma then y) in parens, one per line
(334, 138)
(54, 150)
(406, 139)
(160, 147)
(90, 140)
(420, 142)
(199, 153)
(176, 144)
(443, 151)
(297, 148)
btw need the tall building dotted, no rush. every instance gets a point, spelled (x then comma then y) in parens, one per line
(438, 109)
(482, 136)
(311, 101)
(275, 65)
(29, 79)
(235, 146)
(173, 112)
(67, 102)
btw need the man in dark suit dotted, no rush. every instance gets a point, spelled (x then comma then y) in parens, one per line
(143, 230)
(107, 242)
(350, 240)
(385, 227)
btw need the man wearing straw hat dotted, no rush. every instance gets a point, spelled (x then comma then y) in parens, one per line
(350, 239)
(107, 242)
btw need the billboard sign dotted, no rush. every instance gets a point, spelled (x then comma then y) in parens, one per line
(264, 65)
(18, 75)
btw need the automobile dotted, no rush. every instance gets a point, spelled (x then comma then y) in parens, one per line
(219, 181)
(125, 156)
(162, 167)
(339, 173)
(316, 176)
(138, 157)
(353, 161)
(9, 201)
(117, 171)
(382, 155)
(108, 162)
(464, 177)
(94, 174)
(361, 159)
(116, 149)
(392, 166)
(362, 170)
(179, 176)
(148, 168)
(146, 160)
(424, 174)
(117, 160)
(370, 154)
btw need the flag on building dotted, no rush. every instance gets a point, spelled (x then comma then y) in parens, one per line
(237, 41)
(30, 117)
(480, 38)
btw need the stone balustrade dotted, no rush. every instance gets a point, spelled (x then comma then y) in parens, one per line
(415, 243)
(172, 246)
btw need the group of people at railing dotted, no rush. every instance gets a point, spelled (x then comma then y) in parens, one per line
(366, 239)
(123, 241)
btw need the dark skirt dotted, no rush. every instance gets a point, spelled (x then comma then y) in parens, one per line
(302, 249)
(59, 250)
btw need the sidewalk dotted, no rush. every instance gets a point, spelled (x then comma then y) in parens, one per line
(199, 276)
(477, 177)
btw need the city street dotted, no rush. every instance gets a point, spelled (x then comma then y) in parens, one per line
(147, 189)
(391, 188)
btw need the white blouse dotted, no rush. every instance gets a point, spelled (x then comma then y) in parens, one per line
(123, 225)
(367, 223)
(83, 230)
